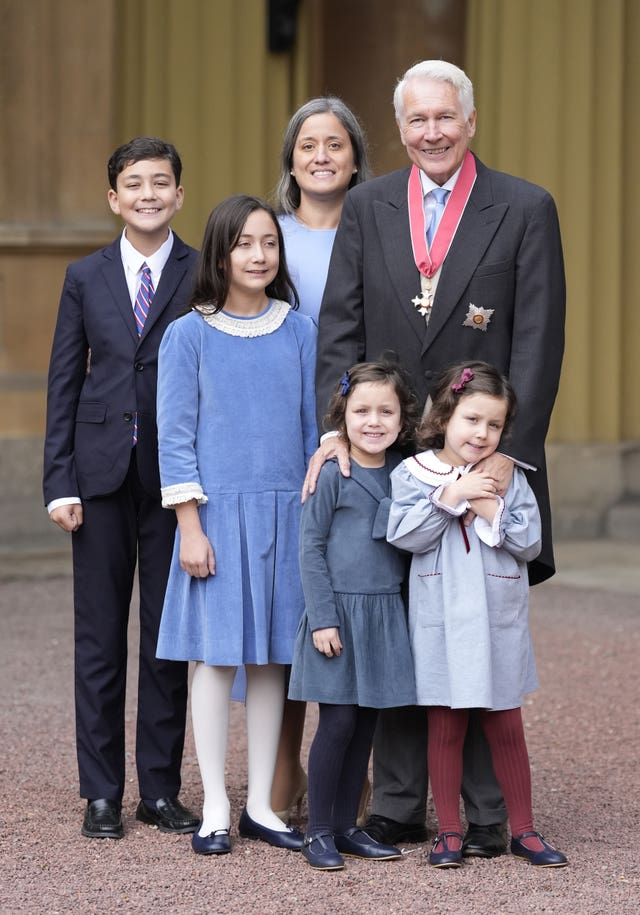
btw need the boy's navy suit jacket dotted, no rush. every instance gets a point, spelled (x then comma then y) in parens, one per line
(101, 373)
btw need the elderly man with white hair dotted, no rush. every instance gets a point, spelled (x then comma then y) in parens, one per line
(442, 261)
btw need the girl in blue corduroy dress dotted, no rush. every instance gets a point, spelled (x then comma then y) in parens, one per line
(352, 651)
(236, 425)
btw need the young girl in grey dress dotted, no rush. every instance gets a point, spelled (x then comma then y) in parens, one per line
(468, 599)
(352, 652)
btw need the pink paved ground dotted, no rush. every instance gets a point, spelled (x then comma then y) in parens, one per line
(584, 742)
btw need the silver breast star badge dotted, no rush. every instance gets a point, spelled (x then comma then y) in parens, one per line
(478, 317)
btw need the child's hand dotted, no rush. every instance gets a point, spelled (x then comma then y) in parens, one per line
(327, 641)
(485, 508)
(196, 555)
(478, 484)
(68, 517)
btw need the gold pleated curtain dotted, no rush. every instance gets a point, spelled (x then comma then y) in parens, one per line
(557, 86)
(205, 79)
(557, 94)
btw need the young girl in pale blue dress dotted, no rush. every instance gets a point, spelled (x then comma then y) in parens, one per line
(468, 599)
(236, 424)
(352, 651)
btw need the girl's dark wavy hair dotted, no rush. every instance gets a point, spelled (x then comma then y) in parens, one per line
(382, 372)
(485, 380)
(223, 229)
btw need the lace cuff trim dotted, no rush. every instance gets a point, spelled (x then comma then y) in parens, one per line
(265, 323)
(182, 492)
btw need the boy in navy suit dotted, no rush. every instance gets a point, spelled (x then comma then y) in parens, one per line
(101, 483)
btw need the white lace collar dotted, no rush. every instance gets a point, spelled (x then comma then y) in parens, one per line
(428, 468)
(258, 326)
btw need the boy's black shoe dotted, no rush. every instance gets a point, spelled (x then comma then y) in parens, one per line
(391, 832)
(168, 814)
(102, 819)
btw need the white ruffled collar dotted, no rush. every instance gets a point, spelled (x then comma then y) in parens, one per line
(427, 467)
(265, 323)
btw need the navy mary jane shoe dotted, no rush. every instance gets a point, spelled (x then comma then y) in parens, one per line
(447, 857)
(356, 843)
(289, 838)
(321, 853)
(217, 842)
(548, 856)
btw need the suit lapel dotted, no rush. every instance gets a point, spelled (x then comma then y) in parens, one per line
(172, 275)
(480, 222)
(392, 223)
(113, 271)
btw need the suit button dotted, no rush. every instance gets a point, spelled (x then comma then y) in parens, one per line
(428, 375)
(139, 367)
(127, 417)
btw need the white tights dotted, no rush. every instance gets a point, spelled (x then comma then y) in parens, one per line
(210, 697)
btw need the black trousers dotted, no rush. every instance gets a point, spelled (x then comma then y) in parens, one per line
(120, 530)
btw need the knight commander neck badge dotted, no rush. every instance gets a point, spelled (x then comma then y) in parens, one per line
(424, 301)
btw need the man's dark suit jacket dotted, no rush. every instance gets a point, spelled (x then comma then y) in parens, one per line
(92, 401)
(506, 256)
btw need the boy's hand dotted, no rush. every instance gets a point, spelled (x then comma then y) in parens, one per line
(334, 446)
(67, 517)
(327, 641)
(196, 555)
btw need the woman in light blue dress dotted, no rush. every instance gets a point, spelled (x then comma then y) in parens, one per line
(236, 424)
(324, 153)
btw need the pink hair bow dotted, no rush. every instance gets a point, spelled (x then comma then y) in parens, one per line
(465, 375)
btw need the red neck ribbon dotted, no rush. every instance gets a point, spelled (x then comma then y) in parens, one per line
(427, 261)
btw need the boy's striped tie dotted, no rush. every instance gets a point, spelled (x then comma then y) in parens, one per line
(141, 308)
(144, 298)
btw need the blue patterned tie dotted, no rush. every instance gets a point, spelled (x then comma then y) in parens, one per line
(141, 308)
(439, 196)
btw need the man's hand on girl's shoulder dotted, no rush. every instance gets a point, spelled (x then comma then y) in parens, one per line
(334, 446)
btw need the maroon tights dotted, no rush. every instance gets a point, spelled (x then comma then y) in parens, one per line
(505, 735)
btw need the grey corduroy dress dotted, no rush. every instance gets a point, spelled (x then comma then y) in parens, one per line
(352, 579)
